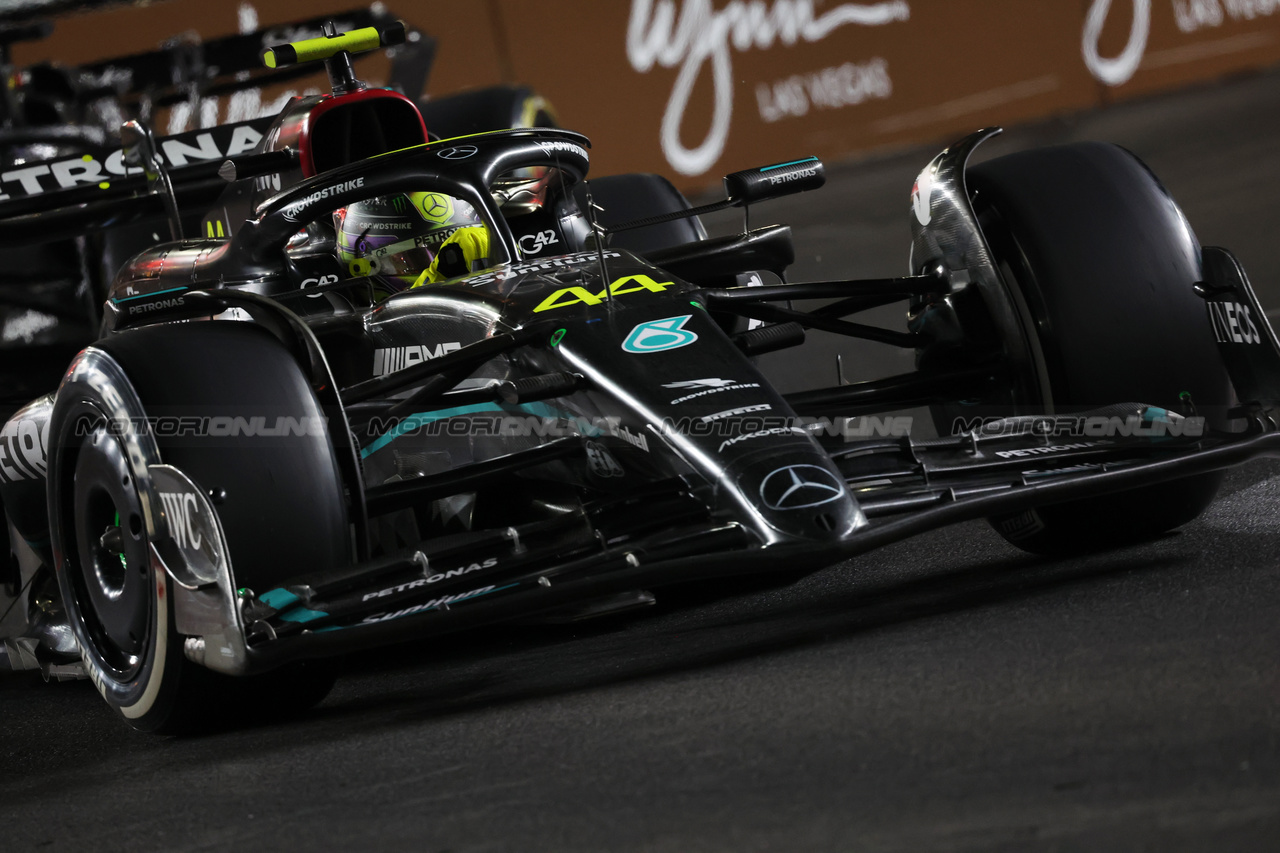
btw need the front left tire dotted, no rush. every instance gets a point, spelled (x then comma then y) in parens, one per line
(279, 500)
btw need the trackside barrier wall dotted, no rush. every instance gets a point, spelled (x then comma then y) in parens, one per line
(693, 89)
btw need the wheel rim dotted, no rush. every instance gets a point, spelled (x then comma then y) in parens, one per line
(112, 581)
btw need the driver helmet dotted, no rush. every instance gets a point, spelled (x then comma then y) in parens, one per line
(410, 239)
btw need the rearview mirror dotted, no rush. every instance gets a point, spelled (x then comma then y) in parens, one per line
(796, 176)
(139, 149)
(746, 188)
(138, 144)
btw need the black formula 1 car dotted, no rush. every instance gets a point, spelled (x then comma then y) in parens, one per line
(51, 295)
(274, 454)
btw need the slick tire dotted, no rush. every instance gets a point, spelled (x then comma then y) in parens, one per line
(278, 499)
(482, 110)
(1104, 262)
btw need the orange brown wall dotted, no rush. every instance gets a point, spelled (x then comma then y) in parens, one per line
(697, 88)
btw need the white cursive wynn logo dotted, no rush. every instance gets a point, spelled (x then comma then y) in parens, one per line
(1188, 15)
(703, 33)
(1115, 71)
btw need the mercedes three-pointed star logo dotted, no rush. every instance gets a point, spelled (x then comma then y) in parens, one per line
(800, 486)
(461, 152)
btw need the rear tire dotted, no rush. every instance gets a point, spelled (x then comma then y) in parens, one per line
(1105, 262)
(483, 110)
(278, 499)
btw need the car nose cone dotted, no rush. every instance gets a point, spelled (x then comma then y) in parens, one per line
(799, 486)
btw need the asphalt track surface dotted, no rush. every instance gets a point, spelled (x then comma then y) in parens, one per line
(945, 693)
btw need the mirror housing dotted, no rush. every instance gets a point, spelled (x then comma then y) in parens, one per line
(782, 179)
(139, 145)
(139, 148)
(746, 188)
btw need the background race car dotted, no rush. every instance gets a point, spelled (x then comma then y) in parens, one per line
(52, 292)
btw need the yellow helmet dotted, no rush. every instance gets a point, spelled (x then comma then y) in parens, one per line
(399, 239)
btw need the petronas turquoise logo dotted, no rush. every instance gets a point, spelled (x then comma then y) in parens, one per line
(660, 335)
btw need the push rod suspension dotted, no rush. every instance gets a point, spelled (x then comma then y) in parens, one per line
(774, 314)
(903, 286)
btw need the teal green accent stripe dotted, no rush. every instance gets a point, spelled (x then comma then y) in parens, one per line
(282, 599)
(792, 163)
(545, 411)
(421, 419)
(144, 295)
(279, 598)
(302, 614)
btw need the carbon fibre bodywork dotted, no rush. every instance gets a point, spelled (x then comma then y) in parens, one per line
(558, 431)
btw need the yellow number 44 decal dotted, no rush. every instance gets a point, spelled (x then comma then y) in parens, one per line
(566, 296)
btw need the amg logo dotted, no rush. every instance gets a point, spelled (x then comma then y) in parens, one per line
(786, 177)
(1232, 321)
(392, 359)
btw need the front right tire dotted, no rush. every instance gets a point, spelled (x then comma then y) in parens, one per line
(1104, 262)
